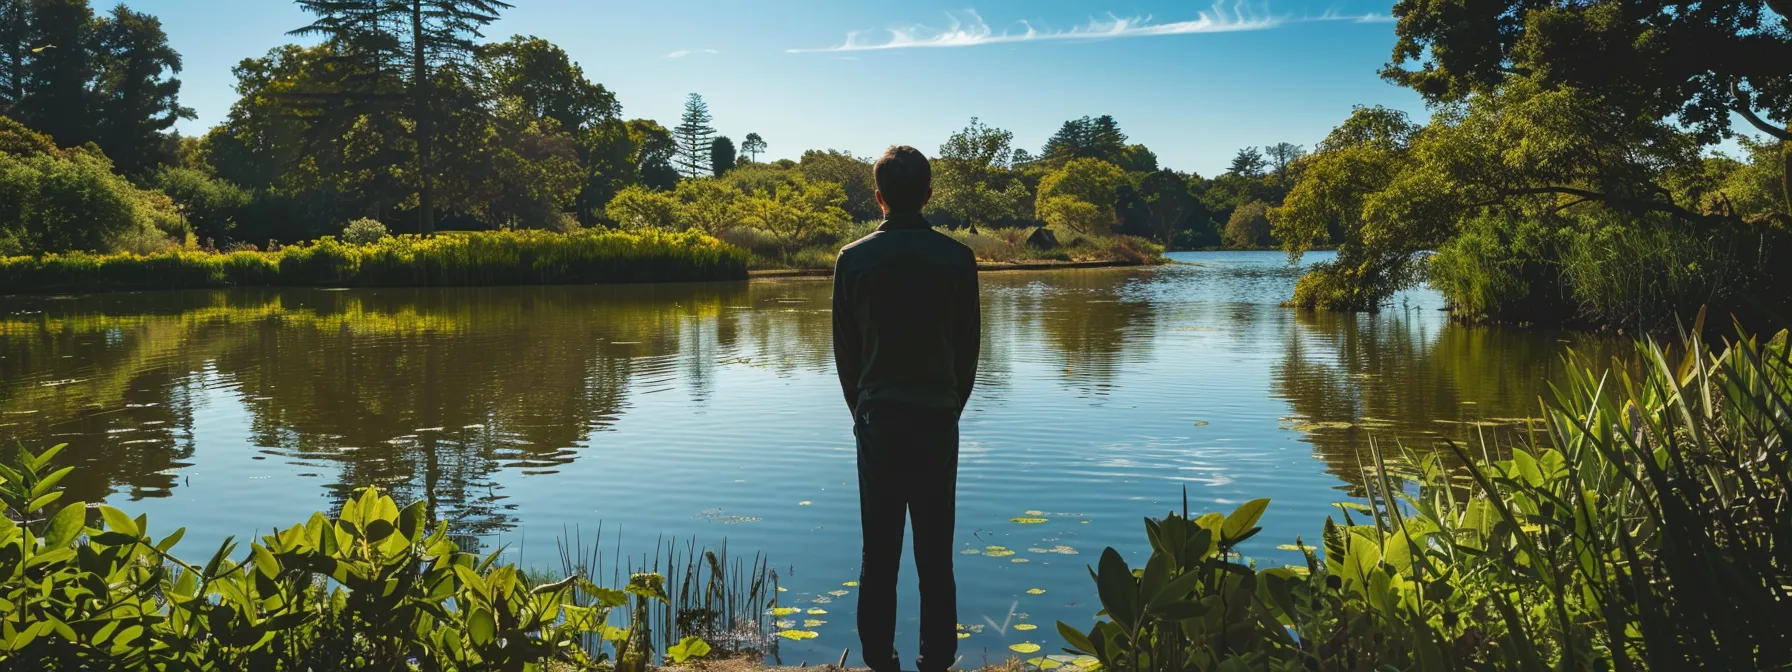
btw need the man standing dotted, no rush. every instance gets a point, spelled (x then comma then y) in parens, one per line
(906, 332)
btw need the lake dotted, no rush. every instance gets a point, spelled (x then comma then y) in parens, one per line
(711, 411)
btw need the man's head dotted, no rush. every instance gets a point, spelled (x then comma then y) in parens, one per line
(904, 181)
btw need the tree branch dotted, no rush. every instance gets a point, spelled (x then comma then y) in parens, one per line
(1744, 108)
(1631, 204)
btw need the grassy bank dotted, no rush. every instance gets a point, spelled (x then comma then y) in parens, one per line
(991, 245)
(448, 259)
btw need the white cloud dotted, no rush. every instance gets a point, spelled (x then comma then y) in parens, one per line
(969, 30)
(681, 53)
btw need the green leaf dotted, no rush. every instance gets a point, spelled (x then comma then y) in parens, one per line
(169, 541)
(1155, 577)
(481, 627)
(118, 521)
(688, 648)
(1242, 520)
(47, 483)
(67, 525)
(1075, 638)
(43, 501)
(265, 561)
(1118, 589)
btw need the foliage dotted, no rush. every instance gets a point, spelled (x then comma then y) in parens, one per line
(1644, 535)
(752, 146)
(1248, 163)
(449, 259)
(211, 205)
(721, 156)
(62, 201)
(364, 232)
(852, 173)
(1087, 181)
(375, 587)
(972, 183)
(138, 98)
(796, 213)
(1068, 213)
(1086, 138)
(1248, 227)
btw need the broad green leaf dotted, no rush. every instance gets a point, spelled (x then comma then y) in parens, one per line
(1024, 647)
(687, 649)
(1243, 519)
(118, 521)
(66, 525)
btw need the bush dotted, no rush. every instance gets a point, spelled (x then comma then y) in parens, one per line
(1249, 227)
(213, 206)
(376, 587)
(449, 259)
(364, 232)
(74, 202)
(1644, 534)
(1504, 269)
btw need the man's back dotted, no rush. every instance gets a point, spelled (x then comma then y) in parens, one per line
(906, 317)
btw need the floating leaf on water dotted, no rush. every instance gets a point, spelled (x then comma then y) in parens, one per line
(1024, 647)
(839, 593)
(814, 623)
(1086, 662)
(785, 624)
(1044, 663)
(817, 611)
(804, 503)
(1200, 423)
(1026, 520)
(964, 635)
(785, 611)
(970, 551)
(997, 552)
(1036, 591)
(1292, 547)
(782, 589)
(798, 635)
(1023, 627)
(1035, 513)
(1019, 561)
(1085, 522)
(851, 584)
(822, 600)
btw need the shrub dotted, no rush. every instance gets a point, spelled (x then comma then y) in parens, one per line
(1643, 532)
(1249, 227)
(74, 202)
(213, 206)
(364, 232)
(449, 259)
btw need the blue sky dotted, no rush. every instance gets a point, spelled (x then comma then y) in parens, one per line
(1192, 80)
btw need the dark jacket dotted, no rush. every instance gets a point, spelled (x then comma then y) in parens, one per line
(906, 317)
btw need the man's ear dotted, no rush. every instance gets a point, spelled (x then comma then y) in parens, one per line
(881, 205)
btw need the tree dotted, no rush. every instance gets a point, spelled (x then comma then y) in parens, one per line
(1249, 227)
(971, 178)
(654, 151)
(753, 146)
(852, 173)
(1090, 181)
(796, 213)
(531, 79)
(60, 72)
(416, 38)
(1137, 159)
(721, 155)
(1167, 203)
(707, 204)
(1248, 163)
(1283, 154)
(138, 97)
(1068, 213)
(1086, 138)
(694, 135)
(1702, 63)
(640, 208)
(15, 49)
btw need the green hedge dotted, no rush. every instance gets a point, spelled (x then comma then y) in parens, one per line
(448, 259)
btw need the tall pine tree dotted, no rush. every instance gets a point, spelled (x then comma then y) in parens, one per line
(138, 100)
(694, 135)
(417, 38)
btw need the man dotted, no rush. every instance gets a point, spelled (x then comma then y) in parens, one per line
(906, 333)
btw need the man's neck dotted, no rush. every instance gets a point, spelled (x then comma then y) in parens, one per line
(907, 220)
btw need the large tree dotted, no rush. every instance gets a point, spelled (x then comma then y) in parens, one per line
(752, 146)
(1086, 138)
(1248, 162)
(721, 155)
(418, 39)
(534, 80)
(655, 150)
(138, 97)
(694, 135)
(972, 182)
(59, 75)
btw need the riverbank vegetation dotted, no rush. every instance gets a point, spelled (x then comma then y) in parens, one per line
(373, 587)
(1640, 530)
(1569, 171)
(449, 259)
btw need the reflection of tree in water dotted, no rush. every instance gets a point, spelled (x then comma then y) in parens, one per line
(1349, 377)
(428, 393)
(1090, 323)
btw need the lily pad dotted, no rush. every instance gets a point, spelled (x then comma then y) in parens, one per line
(998, 552)
(970, 551)
(784, 624)
(798, 635)
(814, 623)
(822, 600)
(782, 589)
(1044, 663)
(839, 593)
(785, 611)
(1024, 520)
(817, 611)
(1200, 423)
(1023, 647)
(804, 503)
(1036, 591)
(1023, 627)
(964, 635)
(1035, 513)
(851, 584)
(1019, 561)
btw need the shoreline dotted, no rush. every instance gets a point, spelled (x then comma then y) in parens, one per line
(982, 267)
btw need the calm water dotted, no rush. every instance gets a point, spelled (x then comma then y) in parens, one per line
(711, 411)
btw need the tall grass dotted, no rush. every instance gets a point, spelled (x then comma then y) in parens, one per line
(449, 259)
(1647, 527)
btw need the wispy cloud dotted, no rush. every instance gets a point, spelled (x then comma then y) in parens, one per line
(969, 29)
(681, 53)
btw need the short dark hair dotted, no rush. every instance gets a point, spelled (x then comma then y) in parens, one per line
(904, 178)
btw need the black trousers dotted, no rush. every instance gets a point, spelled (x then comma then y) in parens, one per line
(908, 467)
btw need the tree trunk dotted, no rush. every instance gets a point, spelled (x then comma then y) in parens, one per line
(420, 88)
